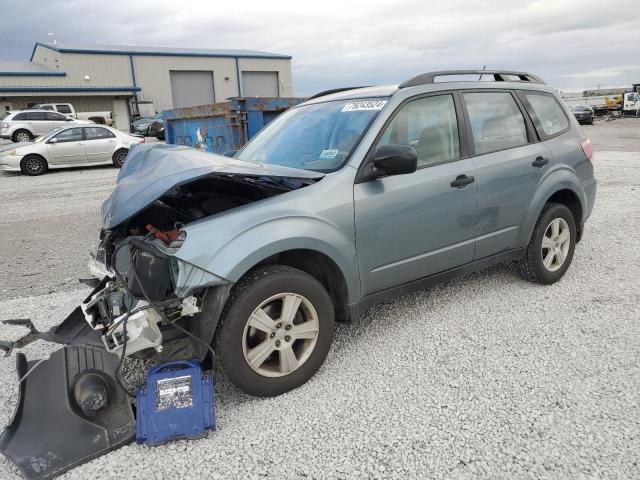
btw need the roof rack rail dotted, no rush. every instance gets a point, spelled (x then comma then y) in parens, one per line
(334, 90)
(498, 76)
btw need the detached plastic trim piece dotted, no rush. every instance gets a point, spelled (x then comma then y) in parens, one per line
(49, 433)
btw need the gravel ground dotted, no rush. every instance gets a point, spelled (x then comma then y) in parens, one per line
(484, 377)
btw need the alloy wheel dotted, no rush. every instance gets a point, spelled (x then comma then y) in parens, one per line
(120, 158)
(34, 166)
(556, 243)
(280, 335)
(23, 137)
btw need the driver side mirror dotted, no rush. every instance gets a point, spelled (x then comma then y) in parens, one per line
(394, 160)
(53, 140)
(67, 119)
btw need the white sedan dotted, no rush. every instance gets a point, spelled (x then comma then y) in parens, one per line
(71, 146)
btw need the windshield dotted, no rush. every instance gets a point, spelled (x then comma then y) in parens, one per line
(50, 134)
(581, 108)
(318, 137)
(4, 115)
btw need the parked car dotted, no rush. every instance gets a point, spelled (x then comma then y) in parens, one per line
(101, 117)
(156, 129)
(25, 125)
(583, 113)
(344, 201)
(68, 146)
(144, 119)
(142, 126)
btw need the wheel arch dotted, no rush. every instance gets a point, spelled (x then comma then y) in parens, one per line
(570, 199)
(118, 150)
(564, 192)
(321, 267)
(21, 129)
(46, 162)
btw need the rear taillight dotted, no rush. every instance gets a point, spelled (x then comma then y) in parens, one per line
(142, 140)
(587, 148)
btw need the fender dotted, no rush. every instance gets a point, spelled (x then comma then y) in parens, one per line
(561, 178)
(241, 252)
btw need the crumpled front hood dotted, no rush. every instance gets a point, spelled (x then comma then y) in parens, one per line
(150, 171)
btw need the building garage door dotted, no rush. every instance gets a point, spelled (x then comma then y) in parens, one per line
(191, 87)
(260, 84)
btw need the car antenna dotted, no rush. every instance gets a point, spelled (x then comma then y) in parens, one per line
(483, 69)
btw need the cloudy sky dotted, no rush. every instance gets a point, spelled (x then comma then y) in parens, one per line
(572, 44)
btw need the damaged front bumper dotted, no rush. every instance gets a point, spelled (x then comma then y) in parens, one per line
(71, 407)
(154, 292)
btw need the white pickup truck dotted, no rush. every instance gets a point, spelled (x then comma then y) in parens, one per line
(104, 118)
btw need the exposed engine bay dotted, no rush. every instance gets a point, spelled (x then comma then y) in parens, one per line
(150, 293)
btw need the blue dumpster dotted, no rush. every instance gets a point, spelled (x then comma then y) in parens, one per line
(224, 126)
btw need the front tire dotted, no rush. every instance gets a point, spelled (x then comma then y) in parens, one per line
(275, 331)
(551, 247)
(119, 156)
(33, 165)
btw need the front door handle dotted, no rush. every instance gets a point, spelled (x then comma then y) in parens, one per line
(462, 181)
(540, 162)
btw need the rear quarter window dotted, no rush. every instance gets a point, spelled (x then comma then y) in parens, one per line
(548, 115)
(62, 108)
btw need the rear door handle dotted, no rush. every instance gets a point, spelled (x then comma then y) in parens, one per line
(461, 181)
(540, 162)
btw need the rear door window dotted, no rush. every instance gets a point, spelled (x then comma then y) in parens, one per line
(97, 133)
(547, 114)
(32, 116)
(496, 121)
(55, 117)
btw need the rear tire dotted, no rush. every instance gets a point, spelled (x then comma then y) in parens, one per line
(33, 165)
(119, 156)
(264, 350)
(21, 135)
(551, 247)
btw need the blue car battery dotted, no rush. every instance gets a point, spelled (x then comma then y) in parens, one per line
(176, 402)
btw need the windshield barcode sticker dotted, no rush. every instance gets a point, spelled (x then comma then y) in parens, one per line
(328, 154)
(364, 105)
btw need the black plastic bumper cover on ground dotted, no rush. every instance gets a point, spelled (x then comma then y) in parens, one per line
(49, 433)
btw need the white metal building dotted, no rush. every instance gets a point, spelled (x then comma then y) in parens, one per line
(123, 79)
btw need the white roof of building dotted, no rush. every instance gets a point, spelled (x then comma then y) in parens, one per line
(159, 51)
